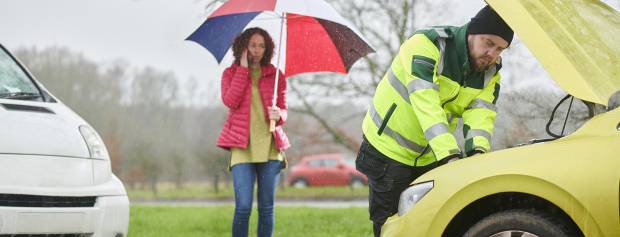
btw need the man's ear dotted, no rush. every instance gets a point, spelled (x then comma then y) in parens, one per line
(468, 38)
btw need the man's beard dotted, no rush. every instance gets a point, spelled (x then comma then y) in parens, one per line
(473, 61)
(479, 68)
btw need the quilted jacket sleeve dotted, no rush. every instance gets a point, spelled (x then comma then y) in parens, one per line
(234, 83)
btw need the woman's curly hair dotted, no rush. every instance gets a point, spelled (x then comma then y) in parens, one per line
(242, 40)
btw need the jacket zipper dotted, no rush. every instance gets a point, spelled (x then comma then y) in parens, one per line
(465, 79)
(260, 90)
(450, 100)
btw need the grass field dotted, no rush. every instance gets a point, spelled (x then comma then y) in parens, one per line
(228, 193)
(201, 221)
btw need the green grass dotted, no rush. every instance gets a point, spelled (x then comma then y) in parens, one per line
(217, 221)
(228, 193)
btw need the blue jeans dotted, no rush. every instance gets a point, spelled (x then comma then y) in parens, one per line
(244, 176)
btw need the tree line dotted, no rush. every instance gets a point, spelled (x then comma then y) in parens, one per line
(152, 132)
(148, 128)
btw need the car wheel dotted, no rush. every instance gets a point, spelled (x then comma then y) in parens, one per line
(300, 183)
(522, 223)
(356, 182)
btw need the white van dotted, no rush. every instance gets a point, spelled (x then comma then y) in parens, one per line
(55, 172)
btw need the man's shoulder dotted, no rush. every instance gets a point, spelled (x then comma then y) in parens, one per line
(435, 32)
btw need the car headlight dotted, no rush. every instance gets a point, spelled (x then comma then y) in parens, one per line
(94, 142)
(412, 195)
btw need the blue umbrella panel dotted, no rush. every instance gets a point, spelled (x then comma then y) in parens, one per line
(217, 34)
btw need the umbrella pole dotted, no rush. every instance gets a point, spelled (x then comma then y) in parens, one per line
(272, 123)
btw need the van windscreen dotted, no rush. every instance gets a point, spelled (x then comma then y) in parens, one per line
(13, 80)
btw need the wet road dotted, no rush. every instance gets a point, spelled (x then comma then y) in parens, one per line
(279, 202)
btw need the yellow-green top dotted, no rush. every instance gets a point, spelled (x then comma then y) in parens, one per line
(261, 146)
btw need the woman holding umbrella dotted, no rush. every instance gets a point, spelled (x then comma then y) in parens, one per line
(256, 154)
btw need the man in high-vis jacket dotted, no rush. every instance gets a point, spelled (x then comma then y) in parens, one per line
(440, 74)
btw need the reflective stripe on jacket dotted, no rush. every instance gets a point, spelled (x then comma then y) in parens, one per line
(427, 88)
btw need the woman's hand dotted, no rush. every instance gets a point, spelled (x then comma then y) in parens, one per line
(274, 113)
(244, 58)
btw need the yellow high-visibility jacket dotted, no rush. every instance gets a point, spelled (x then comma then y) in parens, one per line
(428, 87)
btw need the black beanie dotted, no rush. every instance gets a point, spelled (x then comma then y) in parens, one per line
(487, 21)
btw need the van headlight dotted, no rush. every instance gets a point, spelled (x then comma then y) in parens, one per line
(94, 143)
(412, 195)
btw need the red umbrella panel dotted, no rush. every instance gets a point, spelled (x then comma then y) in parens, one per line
(309, 43)
(310, 48)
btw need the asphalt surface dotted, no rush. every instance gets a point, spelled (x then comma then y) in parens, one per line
(279, 202)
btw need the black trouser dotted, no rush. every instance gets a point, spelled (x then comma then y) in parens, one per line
(387, 179)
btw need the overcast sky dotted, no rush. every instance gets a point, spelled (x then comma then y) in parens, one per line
(141, 32)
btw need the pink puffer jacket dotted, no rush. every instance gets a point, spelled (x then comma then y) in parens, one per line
(236, 94)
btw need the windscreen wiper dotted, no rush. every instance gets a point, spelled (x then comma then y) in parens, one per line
(20, 95)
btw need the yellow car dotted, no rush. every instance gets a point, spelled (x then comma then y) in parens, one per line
(566, 187)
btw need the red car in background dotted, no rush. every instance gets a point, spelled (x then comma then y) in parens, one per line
(326, 170)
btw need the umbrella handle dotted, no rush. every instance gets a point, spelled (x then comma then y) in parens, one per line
(272, 125)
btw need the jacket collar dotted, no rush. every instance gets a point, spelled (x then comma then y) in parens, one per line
(268, 70)
(265, 70)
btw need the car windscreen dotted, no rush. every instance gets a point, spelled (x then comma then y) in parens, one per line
(14, 82)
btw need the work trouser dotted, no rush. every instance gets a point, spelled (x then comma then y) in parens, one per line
(387, 179)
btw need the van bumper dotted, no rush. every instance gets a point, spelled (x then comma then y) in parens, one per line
(108, 217)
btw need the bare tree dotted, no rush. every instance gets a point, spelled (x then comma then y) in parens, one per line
(215, 162)
(308, 137)
(113, 144)
(177, 156)
(91, 90)
(144, 157)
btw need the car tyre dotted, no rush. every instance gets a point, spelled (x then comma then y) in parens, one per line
(525, 223)
(300, 183)
(356, 182)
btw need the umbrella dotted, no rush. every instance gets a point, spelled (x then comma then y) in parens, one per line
(576, 42)
(317, 38)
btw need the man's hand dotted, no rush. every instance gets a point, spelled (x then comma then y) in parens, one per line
(456, 158)
(453, 160)
(274, 113)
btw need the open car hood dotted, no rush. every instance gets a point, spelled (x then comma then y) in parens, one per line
(577, 41)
